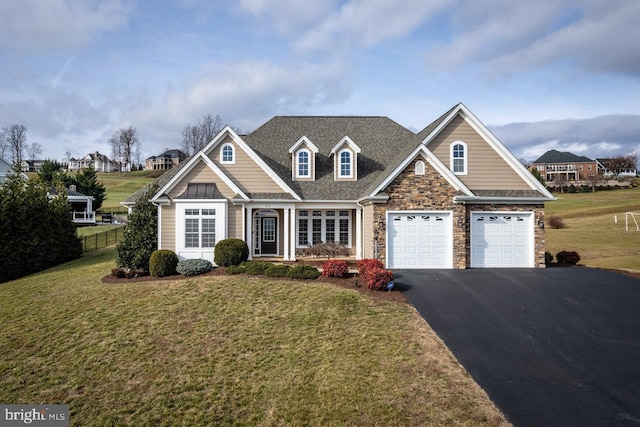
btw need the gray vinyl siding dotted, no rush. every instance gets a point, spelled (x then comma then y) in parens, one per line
(486, 170)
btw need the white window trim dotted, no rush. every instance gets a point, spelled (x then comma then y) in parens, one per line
(465, 158)
(221, 227)
(323, 217)
(420, 167)
(309, 164)
(351, 157)
(233, 154)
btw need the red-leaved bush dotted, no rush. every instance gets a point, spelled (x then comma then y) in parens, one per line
(368, 264)
(335, 268)
(378, 278)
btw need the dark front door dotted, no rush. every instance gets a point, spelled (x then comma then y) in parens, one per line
(268, 244)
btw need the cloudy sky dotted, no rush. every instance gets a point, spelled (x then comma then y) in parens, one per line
(561, 74)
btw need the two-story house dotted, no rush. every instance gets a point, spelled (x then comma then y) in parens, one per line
(164, 161)
(450, 196)
(563, 167)
(97, 161)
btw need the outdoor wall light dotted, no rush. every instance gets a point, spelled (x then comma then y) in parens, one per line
(541, 224)
(461, 223)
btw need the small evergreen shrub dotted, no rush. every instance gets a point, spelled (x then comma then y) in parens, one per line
(235, 269)
(256, 267)
(367, 264)
(230, 252)
(277, 270)
(193, 267)
(163, 262)
(555, 222)
(335, 268)
(568, 257)
(548, 258)
(304, 272)
(378, 278)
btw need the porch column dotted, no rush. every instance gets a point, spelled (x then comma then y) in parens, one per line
(286, 234)
(249, 232)
(292, 235)
(358, 233)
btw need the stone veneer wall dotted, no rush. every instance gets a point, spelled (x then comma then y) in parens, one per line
(422, 192)
(432, 192)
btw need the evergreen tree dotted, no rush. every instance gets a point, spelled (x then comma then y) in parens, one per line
(51, 174)
(140, 234)
(87, 183)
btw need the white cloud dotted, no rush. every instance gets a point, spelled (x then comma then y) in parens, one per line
(288, 16)
(37, 26)
(362, 23)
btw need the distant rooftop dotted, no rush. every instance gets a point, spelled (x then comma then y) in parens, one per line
(555, 156)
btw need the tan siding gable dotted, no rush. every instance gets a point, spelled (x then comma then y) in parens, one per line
(201, 173)
(245, 172)
(486, 170)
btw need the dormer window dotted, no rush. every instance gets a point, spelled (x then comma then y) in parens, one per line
(345, 164)
(303, 164)
(459, 158)
(303, 154)
(227, 156)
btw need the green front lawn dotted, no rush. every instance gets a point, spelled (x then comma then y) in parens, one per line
(225, 350)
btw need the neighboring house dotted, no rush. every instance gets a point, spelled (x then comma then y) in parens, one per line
(31, 165)
(617, 167)
(82, 205)
(6, 169)
(164, 161)
(560, 166)
(99, 162)
(451, 196)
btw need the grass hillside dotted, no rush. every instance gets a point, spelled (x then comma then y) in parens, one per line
(120, 187)
(591, 228)
(225, 350)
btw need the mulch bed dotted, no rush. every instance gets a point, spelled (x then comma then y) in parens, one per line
(347, 283)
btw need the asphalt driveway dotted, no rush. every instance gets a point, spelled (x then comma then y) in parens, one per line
(551, 347)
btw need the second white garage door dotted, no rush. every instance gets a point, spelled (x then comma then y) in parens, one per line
(419, 240)
(500, 239)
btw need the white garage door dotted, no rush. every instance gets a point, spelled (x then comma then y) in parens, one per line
(500, 239)
(419, 240)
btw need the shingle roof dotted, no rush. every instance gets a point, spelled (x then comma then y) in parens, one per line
(379, 137)
(555, 156)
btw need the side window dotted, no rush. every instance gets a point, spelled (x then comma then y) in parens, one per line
(227, 154)
(459, 158)
(304, 167)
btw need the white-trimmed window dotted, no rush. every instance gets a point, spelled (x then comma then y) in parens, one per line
(304, 164)
(419, 167)
(199, 228)
(459, 158)
(345, 167)
(324, 226)
(227, 154)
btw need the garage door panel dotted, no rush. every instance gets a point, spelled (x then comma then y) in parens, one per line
(420, 240)
(501, 239)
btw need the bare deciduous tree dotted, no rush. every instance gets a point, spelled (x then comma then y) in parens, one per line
(3, 145)
(124, 144)
(34, 150)
(15, 136)
(194, 138)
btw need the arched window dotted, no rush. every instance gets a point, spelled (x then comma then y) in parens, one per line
(459, 158)
(303, 164)
(227, 154)
(419, 167)
(345, 164)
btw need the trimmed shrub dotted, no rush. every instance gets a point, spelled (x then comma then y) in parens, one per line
(163, 262)
(304, 272)
(193, 267)
(368, 264)
(230, 252)
(568, 257)
(277, 270)
(555, 222)
(335, 268)
(378, 278)
(548, 258)
(256, 267)
(235, 269)
(327, 249)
